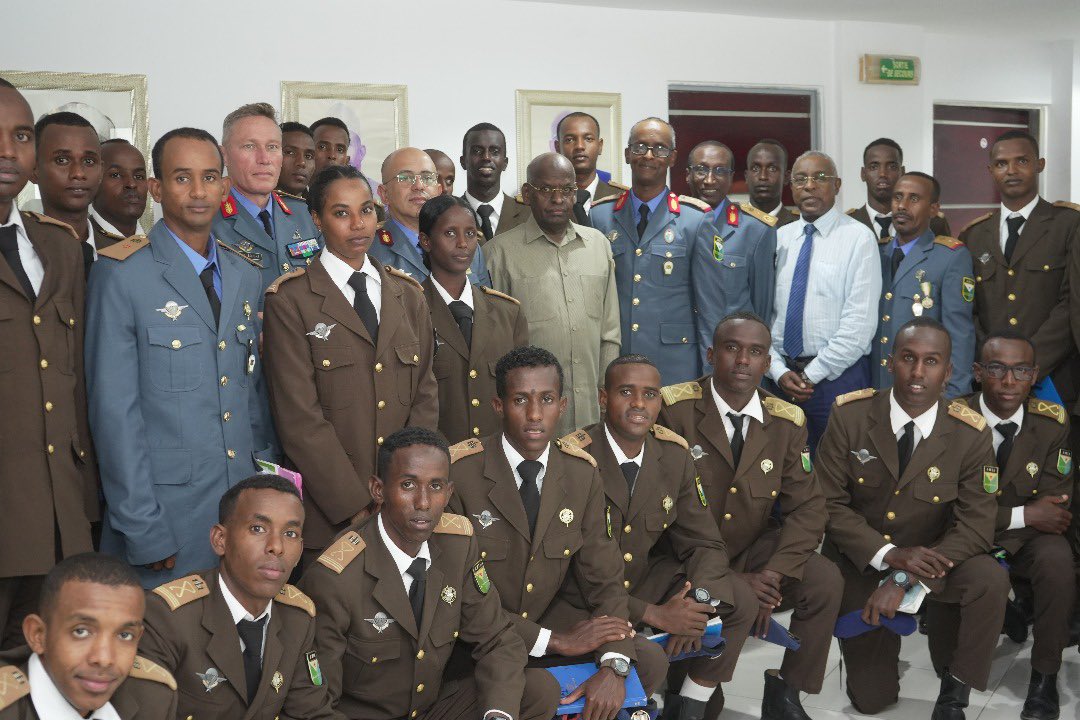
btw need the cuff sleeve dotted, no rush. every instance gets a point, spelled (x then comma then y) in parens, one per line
(1017, 520)
(539, 648)
(613, 656)
(878, 561)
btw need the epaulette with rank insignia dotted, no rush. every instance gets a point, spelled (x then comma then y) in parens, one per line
(496, 293)
(575, 451)
(384, 236)
(618, 186)
(787, 411)
(292, 595)
(662, 433)
(143, 669)
(451, 524)
(1047, 409)
(291, 196)
(46, 220)
(228, 207)
(178, 593)
(403, 275)
(579, 437)
(760, 214)
(1067, 204)
(464, 449)
(281, 203)
(607, 199)
(855, 395)
(949, 242)
(683, 391)
(695, 203)
(294, 273)
(974, 222)
(519, 199)
(342, 551)
(125, 248)
(237, 253)
(966, 415)
(14, 685)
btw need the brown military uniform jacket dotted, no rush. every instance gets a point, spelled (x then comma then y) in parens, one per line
(1032, 293)
(570, 533)
(664, 512)
(335, 395)
(102, 237)
(48, 485)
(377, 663)
(775, 464)
(190, 632)
(605, 189)
(1040, 464)
(785, 216)
(466, 375)
(938, 224)
(946, 499)
(149, 693)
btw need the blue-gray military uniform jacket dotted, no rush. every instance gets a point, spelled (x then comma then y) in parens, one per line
(936, 274)
(734, 268)
(653, 277)
(295, 241)
(178, 408)
(394, 248)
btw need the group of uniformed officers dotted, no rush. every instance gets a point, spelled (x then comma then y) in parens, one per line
(449, 538)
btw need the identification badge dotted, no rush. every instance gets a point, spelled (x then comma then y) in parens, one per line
(303, 248)
(718, 248)
(1064, 463)
(967, 288)
(990, 478)
(480, 576)
(669, 267)
(448, 595)
(314, 671)
(805, 456)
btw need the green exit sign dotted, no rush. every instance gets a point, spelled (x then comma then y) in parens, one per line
(889, 69)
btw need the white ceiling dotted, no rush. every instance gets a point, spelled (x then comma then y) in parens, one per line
(1045, 19)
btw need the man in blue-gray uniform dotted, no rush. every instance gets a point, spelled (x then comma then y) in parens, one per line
(734, 260)
(924, 274)
(178, 408)
(410, 179)
(652, 233)
(275, 233)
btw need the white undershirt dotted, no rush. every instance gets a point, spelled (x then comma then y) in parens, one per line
(1017, 519)
(340, 272)
(31, 263)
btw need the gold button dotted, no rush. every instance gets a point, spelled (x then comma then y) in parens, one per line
(1012, 296)
(860, 481)
(176, 344)
(525, 615)
(472, 374)
(455, 633)
(241, 328)
(326, 363)
(51, 448)
(531, 558)
(634, 327)
(475, 402)
(48, 406)
(420, 655)
(379, 441)
(224, 380)
(667, 254)
(999, 493)
(937, 499)
(71, 322)
(637, 277)
(1012, 321)
(685, 340)
(733, 490)
(884, 339)
(665, 526)
(565, 552)
(231, 454)
(884, 362)
(1046, 267)
(285, 267)
(412, 714)
(476, 431)
(888, 538)
(888, 296)
(772, 494)
(44, 363)
(37, 319)
(381, 404)
(628, 557)
(885, 318)
(82, 453)
(483, 554)
(420, 688)
(978, 278)
(635, 302)
(626, 584)
(890, 515)
(638, 252)
(416, 358)
(529, 587)
(627, 529)
(1034, 492)
(374, 659)
(227, 416)
(1011, 272)
(727, 516)
(221, 345)
(378, 367)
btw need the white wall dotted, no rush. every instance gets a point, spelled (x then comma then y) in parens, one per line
(463, 60)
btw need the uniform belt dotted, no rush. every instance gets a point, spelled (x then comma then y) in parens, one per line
(797, 365)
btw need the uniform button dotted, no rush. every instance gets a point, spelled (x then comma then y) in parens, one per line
(626, 584)
(412, 714)
(1046, 267)
(1012, 321)
(628, 557)
(772, 494)
(176, 344)
(727, 516)
(241, 327)
(51, 449)
(224, 380)
(635, 302)
(884, 318)
(861, 481)
(627, 529)
(667, 254)
(226, 416)
(664, 526)
(733, 490)
(566, 553)
(1012, 296)
(637, 277)
(978, 278)
(937, 499)
(416, 358)
(37, 319)
(221, 345)
(884, 339)
(999, 493)
(525, 615)
(378, 367)
(455, 634)
(531, 558)
(634, 327)
(888, 296)
(231, 454)
(48, 406)
(888, 538)
(1011, 272)
(483, 554)
(420, 688)
(326, 363)
(1034, 492)
(472, 374)
(529, 587)
(896, 492)
(420, 655)
(44, 363)
(475, 402)
(890, 515)
(381, 404)
(379, 441)
(476, 431)
(374, 659)
(884, 362)
(685, 340)
(638, 252)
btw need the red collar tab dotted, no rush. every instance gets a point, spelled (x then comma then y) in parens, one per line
(673, 203)
(385, 237)
(228, 207)
(281, 203)
(733, 214)
(621, 202)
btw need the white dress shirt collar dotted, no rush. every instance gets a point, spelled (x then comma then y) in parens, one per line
(515, 458)
(824, 224)
(238, 611)
(32, 264)
(49, 702)
(924, 424)
(1024, 211)
(496, 203)
(592, 191)
(993, 420)
(340, 271)
(620, 456)
(775, 212)
(466, 294)
(108, 226)
(874, 215)
(752, 409)
(401, 558)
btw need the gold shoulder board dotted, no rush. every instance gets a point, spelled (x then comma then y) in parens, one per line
(291, 595)
(1066, 204)
(451, 524)
(695, 203)
(662, 433)
(291, 196)
(294, 273)
(760, 214)
(144, 669)
(404, 276)
(974, 222)
(504, 296)
(787, 411)
(683, 391)
(182, 591)
(949, 242)
(856, 395)
(966, 415)
(579, 437)
(464, 449)
(13, 685)
(343, 551)
(575, 451)
(242, 256)
(606, 199)
(46, 220)
(1047, 409)
(125, 248)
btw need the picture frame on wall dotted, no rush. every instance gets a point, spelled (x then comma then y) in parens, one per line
(539, 113)
(116, 105)
(377, 116)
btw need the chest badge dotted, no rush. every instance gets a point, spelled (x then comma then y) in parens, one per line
(172, 309)
(920, 274)
(485, 519)
(718, 248)
(607, 518)
(669, 235)
(700, 492)
(1032, 469)
(669, 267)
(448, 595)
(697, 453)
(566, 516)
(1064, 463)
(211, 678)
(277, 681)
(322, 331)
(245, 246)
(247, 310)
(990, 478)
(863, 456)
(933, 473)
(766, 466)
(613, 236)
(667, 503)
(984, 258)
(381, 621)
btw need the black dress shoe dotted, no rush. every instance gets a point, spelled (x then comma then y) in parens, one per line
(781, 702)
(677, 707)
(952, 699)
(1042, 698)
(1015, 625)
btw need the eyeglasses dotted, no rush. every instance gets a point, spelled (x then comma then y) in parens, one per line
(1020, 373)
(555, 193)
(819, 178)
(408, 178)
(700, 172)
(658, 151)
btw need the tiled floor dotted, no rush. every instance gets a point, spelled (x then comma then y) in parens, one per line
(918, 684)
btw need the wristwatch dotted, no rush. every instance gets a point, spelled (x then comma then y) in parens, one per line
(618, 665)
(702, 595)
(901, 579)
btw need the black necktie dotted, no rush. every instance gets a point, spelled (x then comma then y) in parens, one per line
(905, 445)
(87, 257)
(884, 221)
(897, 258)
(530, 493)
(485, 211)
(1014, 224)
(580, 216)
(463, 314)
(9, 247)
(264, 216)
(736, 437)
(629, 471)
(418, 571)
(207, 279)
(1008, 434)
(363, 305)
(643, 211)
(251, 632)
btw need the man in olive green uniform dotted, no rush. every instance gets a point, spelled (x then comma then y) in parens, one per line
(751, 453)
(766, 175)
(883, 165)
(911, 488)
(397, 591)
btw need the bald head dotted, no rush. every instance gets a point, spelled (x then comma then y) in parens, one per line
(406, 158)
(406, 198)
(550, 165)
(652, 123)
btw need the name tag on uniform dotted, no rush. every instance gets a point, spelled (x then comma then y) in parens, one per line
(303, 248)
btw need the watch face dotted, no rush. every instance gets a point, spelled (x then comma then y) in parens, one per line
(702, 595)
(621, 666)
(900, 578)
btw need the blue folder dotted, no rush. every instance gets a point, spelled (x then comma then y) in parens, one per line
(712, 644)
(570, 676)
(852, 625)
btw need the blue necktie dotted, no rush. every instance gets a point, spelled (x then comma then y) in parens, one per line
(793, 321)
